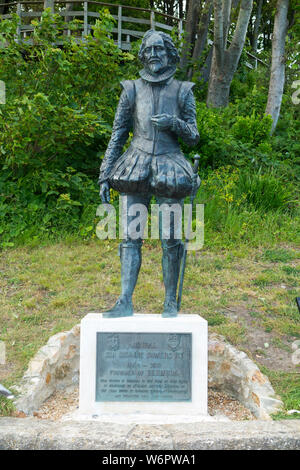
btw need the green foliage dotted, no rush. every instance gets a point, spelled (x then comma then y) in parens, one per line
(56, 123)
(239, 188)
(46, 202)
(55, 126)
(250, 128)
(239, 134)
(226, 137)
(248, 207)
(266, 191)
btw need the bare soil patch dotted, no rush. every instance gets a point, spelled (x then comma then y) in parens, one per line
(259, 344)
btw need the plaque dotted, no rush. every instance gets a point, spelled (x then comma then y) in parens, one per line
(143, 367)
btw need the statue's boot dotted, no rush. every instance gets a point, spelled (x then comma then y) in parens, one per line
(131, 258)
(171, 261)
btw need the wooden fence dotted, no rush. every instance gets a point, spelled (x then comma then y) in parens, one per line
(131, 22)
(124, 32)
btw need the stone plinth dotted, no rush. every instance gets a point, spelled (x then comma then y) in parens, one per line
(144, 364)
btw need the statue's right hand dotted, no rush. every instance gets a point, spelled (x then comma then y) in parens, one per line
(104, 192)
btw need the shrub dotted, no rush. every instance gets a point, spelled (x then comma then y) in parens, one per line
(252, 129)
(55, 126)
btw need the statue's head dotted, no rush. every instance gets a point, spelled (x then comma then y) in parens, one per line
(157, 52)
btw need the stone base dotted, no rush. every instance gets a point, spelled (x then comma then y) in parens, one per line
(39, 434)
(143, 418)
(143, 365)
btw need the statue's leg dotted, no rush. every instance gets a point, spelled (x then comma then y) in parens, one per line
(172, 248)
(171, 260)
(131, 259)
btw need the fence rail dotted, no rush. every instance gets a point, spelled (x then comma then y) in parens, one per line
(124, 32)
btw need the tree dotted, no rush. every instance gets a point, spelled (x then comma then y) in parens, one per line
(201, 41)
(197, 23)
(225, 60)
(277, 77)
(258, 16)
(190, 30)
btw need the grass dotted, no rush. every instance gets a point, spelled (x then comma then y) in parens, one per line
(7, 407)
(47, 289)
(288, 387)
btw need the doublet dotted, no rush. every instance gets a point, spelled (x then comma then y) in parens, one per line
(153, 162)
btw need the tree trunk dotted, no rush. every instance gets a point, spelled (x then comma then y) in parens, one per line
(226, 20)
(170, 11)
(205, 70)
(202, 32)
(277, 77)
(190, 30)
(218, 87)
(225, 61)
(180, 8)
(257, 25)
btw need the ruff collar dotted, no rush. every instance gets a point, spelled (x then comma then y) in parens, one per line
(162, 77)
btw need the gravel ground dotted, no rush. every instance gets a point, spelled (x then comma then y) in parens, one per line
(220, 403)
(61, 403)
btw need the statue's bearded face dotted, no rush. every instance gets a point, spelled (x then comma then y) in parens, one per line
(155, 54)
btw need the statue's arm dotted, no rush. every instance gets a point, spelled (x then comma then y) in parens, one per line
(186, 128)
(121, 128)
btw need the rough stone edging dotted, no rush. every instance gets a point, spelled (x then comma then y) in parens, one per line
(234, 372)
(56, 367)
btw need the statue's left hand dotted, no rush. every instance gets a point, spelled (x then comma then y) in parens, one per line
(162, 121)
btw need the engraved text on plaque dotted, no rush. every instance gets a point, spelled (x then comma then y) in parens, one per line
(143, 366)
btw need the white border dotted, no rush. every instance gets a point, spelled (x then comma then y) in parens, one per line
(143, 323)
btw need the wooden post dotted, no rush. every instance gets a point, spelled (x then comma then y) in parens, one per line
(19, 13)
(85, 18)
(120, 26)
(152, 20)
(180, 29)
(68, 18)
(49, 4)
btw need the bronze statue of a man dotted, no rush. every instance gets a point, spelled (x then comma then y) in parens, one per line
(159, 109)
